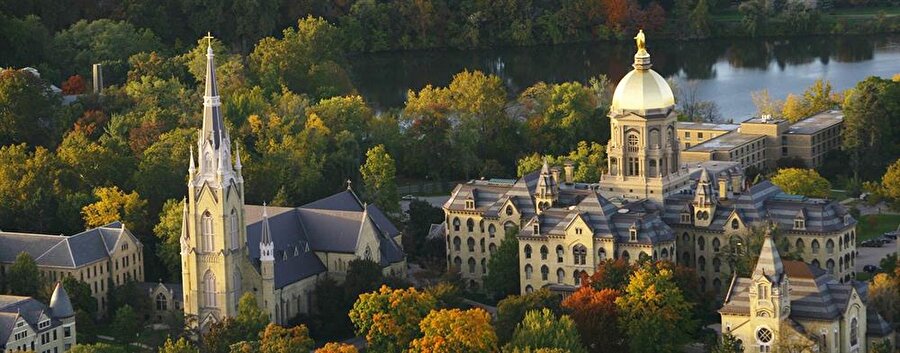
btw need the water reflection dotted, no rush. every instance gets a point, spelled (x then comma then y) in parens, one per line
(726, 69)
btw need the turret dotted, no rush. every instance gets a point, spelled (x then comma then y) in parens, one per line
(769, 293)
(266, 245)
(704, 201)
(547, 189)
(60, 305)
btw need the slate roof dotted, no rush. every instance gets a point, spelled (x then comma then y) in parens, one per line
(576, 200)
(12, 307)
(177, 289)
(331, 224)
(72, 251)
(763, 202)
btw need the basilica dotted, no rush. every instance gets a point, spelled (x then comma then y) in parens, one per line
(229, 248)
(649, 204)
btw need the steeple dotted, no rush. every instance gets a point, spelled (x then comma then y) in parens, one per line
(213, 126)
(266, 245)
(769, 263)
(704, 194)
(60, 305)
(185, 228)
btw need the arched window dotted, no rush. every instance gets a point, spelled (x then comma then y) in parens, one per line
(830, 266)
(716, 244)
(816, 263)
(686, 238)
(456, 224)
(236, 286)
(815, 246)
(686, 258)
(701, 243)
(492, 230)
(527, 251)
(492, 249)
(545, 273)
(854, 332)
(717, 285)
(528, 271)
(701, 263)
(800, 245)
(457, 262)
(509, 210)
(209, 289)
(559, 253)
(560, 276)
(529, 289)
(577, 276)
(471, 264)
(233, 229)
(633, 142)
(626, 257)
(206, 231)
(456, 243)
(161, 303)
(665, 254)
(481, 244)
(829, 246)
(544, 252)
(717, 264)
(470, 243)
(470, 225)
(601, 254)
(735, 224)
(579, 253)
(484, 266)
(762, 291)
(481, 226)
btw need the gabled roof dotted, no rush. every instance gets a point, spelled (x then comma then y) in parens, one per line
(64, 251)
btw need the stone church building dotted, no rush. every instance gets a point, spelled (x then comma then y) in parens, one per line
(278, 253)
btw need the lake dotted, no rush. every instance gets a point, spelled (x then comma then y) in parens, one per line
(722, 71)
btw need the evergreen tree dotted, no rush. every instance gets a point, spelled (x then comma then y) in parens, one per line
(23, 277)
(502, 278)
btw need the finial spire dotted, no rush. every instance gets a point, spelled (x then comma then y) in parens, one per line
(349, 184)
(191, 167)
(237, 156)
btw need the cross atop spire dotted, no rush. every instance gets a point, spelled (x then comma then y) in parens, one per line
(208, 38)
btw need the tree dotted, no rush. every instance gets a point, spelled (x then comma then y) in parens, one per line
(363, 276)
(868, 137)
(29, 108)
(250, 316)
(503, 267)
(610, 274)
(126, 324)
(806, 182)
(80, 295)
(180, 346)
(818, 97)
(421, 215)
(330, 320)
(542, 329)
(883, 346)
(561, 115)
(727, 344)
(98, 348)
(455, 331)
(277, 339)
(73, 85)
(596, 317)
(23, 277)
(389, 319)
(700, 19)
(765, 104)
(890, 183)
(221, 335)
(379, 174)
(28, 189)
(884, 296)
(512, 309)
(654, 314)
(114, 205)
(164, 163)
(90, 164)
(336, 347)
(168, 230)
(794, 108)
(103, 41)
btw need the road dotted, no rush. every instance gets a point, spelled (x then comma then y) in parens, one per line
(873, 256)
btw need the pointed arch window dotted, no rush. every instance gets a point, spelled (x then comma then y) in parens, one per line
(161, 303)
(233, 229)
(560, 276)
(209, 289)
(579, 252)
(206, 232)
(854, 332)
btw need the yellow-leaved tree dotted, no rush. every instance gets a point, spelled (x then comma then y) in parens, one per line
(114, 205)
(389, 318)
(806, 182)
(456, 331)
(337, 347)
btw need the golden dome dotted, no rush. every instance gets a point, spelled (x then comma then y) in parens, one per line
(642, 90)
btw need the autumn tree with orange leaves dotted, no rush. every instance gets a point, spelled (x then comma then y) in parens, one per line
(596, 317)
(456, 331)
(389, 318)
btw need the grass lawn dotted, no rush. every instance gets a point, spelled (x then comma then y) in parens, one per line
(872, 226)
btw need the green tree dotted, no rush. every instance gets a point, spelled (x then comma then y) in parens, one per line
(868, 137)
(221, 335)
(806, 182)
(379, 174)
(115, 205)
(456, 331)
(542, 329)
(512, 309)
(363, 276)
(29, 108)
(727, 344)
(818, 97)
(503, 267)
(89, 162)
(126, 324)
(257, 19)
(168, 230)
(421, 215)
(883, 346)
(26, 40)
(98, 348)
(611, 274)
(180, 346)
(890, 183)
(700, 19)
(164, 163)
(277, 339)
(250, 316)
(561, 115)
(884, 296)
(87, 328)
(653, 312)
(80, 295)
(230, 70)
(389, 319)
(103, 41)
(23, 277)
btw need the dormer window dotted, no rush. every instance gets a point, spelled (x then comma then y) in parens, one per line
(509, 210)
(685, 218)
(536, 229)
(634, 234)
(44, 324)
(470, 204)
(799, 224)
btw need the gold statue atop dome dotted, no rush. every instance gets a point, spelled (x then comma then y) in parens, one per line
(641, 41)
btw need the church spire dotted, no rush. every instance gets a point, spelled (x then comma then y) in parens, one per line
(266, 245)
(213, 127)
(769, 263)
(185, 227)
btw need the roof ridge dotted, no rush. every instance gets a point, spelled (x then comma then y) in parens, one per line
(63, 240)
